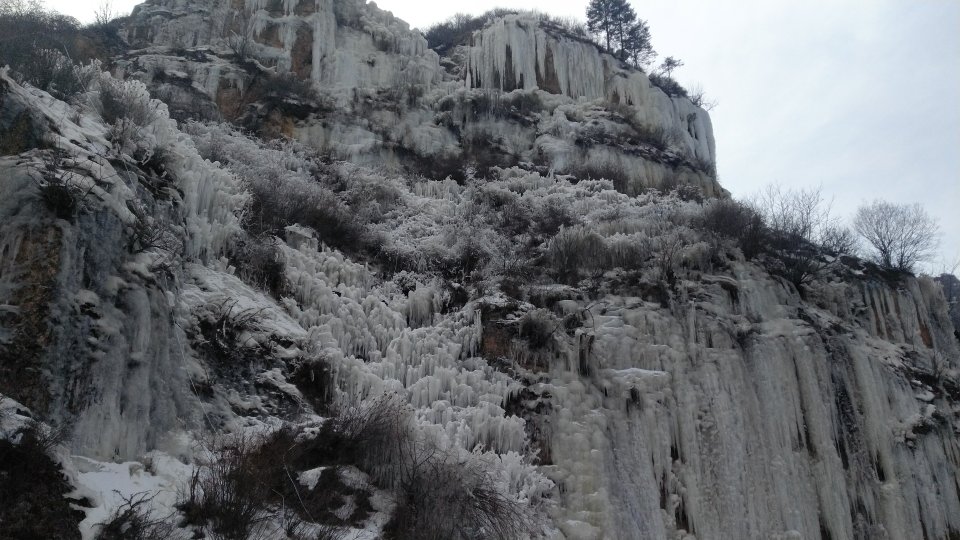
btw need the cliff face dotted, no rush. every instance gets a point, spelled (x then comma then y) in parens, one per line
(337, 44)
(384, 99)
(519, 52)
(612, 367)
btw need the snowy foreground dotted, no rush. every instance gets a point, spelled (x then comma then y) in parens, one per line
(615, 370)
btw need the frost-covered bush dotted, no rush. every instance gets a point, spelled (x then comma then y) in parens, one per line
(260, 262)
(314, 378)
(654, 135)
(54, 72)
(613, 172)
(574, 251)
(222, 333)
(125, 100)
(32, 45)
(289, 185)
(127, 108)
(538, 326)
(729, 219)
(277, 204)
(291, 86)
(447, 499)
(669, 85)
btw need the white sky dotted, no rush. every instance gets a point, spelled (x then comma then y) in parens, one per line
(859, 96)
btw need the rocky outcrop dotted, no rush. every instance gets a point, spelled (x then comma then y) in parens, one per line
(384, 99)
(342, 44)
(519, 52)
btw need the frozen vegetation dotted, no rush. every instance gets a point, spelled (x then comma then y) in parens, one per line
(326, 338)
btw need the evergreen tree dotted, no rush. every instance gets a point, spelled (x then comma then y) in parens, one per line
(637, 46)
(624, 23)
(669, 64)
(600, 19)
(616, 24)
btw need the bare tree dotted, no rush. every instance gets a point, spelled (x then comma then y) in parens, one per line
(240, 34)
(802, 231)
(104, 14)
(901, 235)
(20, 7)
(699, 98)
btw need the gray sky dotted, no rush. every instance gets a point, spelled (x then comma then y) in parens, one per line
(859, 96)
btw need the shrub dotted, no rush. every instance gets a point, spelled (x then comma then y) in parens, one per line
(616, 173)
(60, 198)
(445, 36)
(538, 327)
(314, 379)
(570, 26)
(229, 493)
(32, 43)
(125, 100)
(550, 217)
(573, 251)
(135, 520)
(671, 87)
(699, 98)
(668, 253)
(34, 489)
(443, 498)
(218, 334)
(800, 223)
(153, 234)
(727, 218)
(252, 480)
(656, 136)
(277, 204)
(260, 262)
(42, 47)
(290, 86)
(688, 193)
(126, 107)
(372, 435)
(53, 72)
(525, 103)
(704, 165)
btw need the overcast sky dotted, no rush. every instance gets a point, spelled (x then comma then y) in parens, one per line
(859, 96)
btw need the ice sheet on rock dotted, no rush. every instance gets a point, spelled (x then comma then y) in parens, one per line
(578, 69)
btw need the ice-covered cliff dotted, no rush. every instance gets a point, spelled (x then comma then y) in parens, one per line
(341, 44)
(540, 347)
(520, 52)
(617, 375)
(383, 98)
